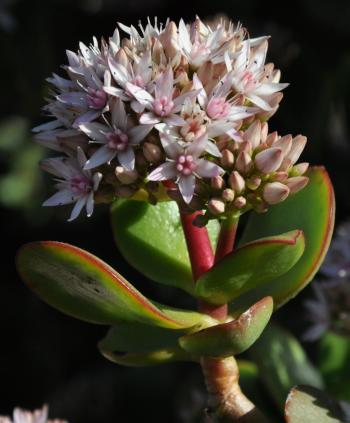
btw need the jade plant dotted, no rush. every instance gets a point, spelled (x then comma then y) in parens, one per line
(170, 126)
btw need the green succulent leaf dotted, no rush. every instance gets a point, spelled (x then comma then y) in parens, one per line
(310, 210)
(250, 266)
(282, 363)
(151, 239)
(233, 337)
(306, 403)
(334, 363)
(81, 285)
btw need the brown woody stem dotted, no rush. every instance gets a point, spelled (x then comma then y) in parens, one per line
(226, 401)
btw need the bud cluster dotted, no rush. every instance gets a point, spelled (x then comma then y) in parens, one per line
(178, 112)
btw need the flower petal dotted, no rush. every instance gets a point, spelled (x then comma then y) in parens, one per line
(127, 158)
(138, 133)
(149, 118)
(94, 130)
(103, 155)
(174, 120)
(60, 198)
(197, 146)
(163, 172)
(172, 148)
(207, 169)
(78, 208)
(186, 186)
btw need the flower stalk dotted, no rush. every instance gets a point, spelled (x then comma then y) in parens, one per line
(226, 401)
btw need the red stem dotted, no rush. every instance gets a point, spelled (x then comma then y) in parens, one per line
(226, 238)
(201, 255)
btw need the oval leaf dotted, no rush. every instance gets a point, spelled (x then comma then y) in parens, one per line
(305, 403)
(151, 239)
(282, 363)
(233, 337)
(81, 285)
(311, 210)
(250, 266)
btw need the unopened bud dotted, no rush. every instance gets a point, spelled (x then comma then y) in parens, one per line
(284, 143)
(227, 159)
(240, 202)
(217, 182)
(126, 176)
(140, 160)
(300, 168)
(269, 160)
(216, 206)
(271, 138)
(246, 146)
(236, 182)
(264, 132)
(152, 152)
(169, 40)
(280, 176)
(121, 58)
(228, 195)
(253, 134)
(297, 148)
(253, 183)
(275, 192)
(297, 183)
(244, 162)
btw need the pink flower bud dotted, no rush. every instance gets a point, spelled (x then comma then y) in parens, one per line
(300, 168)
(216, 206)
(253, 134)
(227, 159)
(121, 58)
(269, 160)
(253, 183)
(275, 192)
(284, 143)
(169, 40)
(244, 162)
(126, 176)
(298, 145)
(240, 202)
(217, 182)
(228, 195)
(236, 182)
(297, 183)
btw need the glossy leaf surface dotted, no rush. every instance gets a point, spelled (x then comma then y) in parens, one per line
(282, 363)
(81, 285)
(308, 404)
(311, 210)
(151, 239)
(233, 337)
(250, 266)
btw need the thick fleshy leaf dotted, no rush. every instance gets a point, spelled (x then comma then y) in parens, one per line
(311, 210)
(151, 239)
(81, 285)
(334, 364)
(250, 266)
(282, 363)
(233, 337)
(308, 404)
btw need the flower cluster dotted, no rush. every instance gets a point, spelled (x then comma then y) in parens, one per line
(182, 108)
(24, 416)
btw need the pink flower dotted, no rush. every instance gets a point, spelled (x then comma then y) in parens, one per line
(75, 185)
(24, 416)
(185, 165)
(162, 106)
(117, 140)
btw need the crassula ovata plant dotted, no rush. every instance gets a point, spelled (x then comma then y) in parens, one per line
(169, 124)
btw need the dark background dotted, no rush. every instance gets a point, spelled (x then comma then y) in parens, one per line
(48, 357)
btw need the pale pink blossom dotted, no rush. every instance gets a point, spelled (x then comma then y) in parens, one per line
(162, 106)
(184, 165)
(24, 416)
(116, 140)
(75, 185)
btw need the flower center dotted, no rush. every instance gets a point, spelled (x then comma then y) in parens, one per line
(163, 106)
(80, 185)
(248, 79)
(218, 108)
(117, 140)
(185, 164)
(193, 128)
(97, 99)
